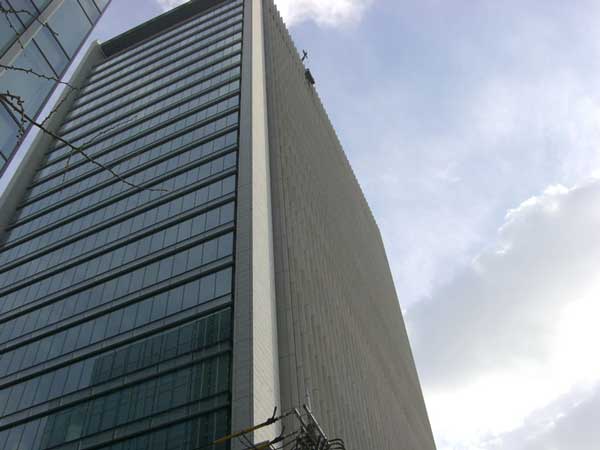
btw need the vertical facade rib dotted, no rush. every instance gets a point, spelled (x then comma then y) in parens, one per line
(43, 36)
(116, 290)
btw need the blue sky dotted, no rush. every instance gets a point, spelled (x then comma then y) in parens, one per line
(473, 128)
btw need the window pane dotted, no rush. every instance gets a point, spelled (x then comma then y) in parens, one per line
(31, 88)
(24, 5)
(102, 3)
(7, 34)
(41, 4)
(90, 9)
(71, 24)
(8, 134)
(51, 49)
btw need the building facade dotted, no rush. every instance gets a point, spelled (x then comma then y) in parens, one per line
(194, 252)
(43, 36)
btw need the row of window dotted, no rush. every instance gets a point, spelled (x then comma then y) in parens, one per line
(200, 334)
(77, 138)
(146, 399)
(167, 68)
(143, 134)
(118, 257)
(136, 137)
(77, 303)
(100, 78)
(104, 239)
(132, 201)
(193, 434)
(144, 119)
(122, 58)
(148, 163)
(165, 177)
(133, 316)
(61, 280)
(141, 219)
(125, 112)
(108, 291)
(134, 69)
(165, 392)
(196, 70)
(119, 198)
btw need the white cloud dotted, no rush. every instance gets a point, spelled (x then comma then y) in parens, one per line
(569, 423)
(329, 13)
(517, 328)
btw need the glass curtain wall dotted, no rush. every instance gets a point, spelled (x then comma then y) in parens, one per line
(48, 54)
(116, 275)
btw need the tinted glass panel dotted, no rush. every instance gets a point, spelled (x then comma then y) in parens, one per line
(31, 88)
(8, 25)
(90, 9)
(23, 5)
(8, 133)
(70, 17)
(52, 50)
(102, 3)
(115, 290)
(41, 4)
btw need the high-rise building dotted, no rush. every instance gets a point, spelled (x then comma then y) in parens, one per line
(42, 36)
(195, 251)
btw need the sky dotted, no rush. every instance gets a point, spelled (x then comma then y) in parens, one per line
(473, 128)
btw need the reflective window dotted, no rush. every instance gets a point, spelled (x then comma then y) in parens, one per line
(162, 87)
(8, 133)
(154, 102)
(101, 3)
(23, 5)
(52, 50)
(116, 136)
(31, 88)
(52, 261)
(8, 25)
(41, 4)
(116, 294)
(198, 335)
(189, 435)
(110, 325)
(110, 63)
(99, 78)
(137, 177)
(161, 178)
(168, 49)
(134, 402)
(170, 181)
(141, 82)
(70, 17)
(90, 9)
(193, 198)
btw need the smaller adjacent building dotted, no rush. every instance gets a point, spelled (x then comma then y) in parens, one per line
(43, 36)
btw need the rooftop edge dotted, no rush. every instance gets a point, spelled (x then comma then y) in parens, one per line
(157, 25)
